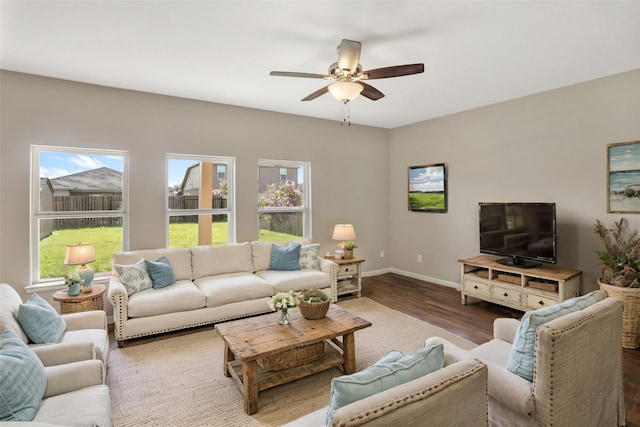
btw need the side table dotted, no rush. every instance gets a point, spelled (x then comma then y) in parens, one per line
(349, 275)
(84, 302)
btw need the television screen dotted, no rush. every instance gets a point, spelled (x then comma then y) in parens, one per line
(523, 232)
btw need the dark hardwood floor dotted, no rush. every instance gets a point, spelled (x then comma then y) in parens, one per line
(441, 306)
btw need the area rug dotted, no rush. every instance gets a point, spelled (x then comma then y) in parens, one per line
(177, 380)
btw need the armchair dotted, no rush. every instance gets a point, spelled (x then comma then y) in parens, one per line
(577, 377)
(85, 331)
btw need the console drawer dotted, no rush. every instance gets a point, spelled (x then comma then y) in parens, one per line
(534, 301)
(512, 296)
(472, 287)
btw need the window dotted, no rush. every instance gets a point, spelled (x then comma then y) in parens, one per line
(284, 200)
(200, 201)
(78, 195)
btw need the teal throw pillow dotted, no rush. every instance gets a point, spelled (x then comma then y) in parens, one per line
(521, 357)
(161, 272)
(309, 257)
(22, 379)
(387, 373)
(285, 258)
(40, 321)
(134, 277)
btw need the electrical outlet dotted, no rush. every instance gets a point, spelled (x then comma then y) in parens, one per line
(381, 254)
(419, 258)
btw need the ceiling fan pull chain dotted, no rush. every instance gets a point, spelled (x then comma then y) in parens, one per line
(346, 112)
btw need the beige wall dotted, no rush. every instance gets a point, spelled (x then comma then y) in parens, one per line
(349, 164)
(545, 147)
(549, 147)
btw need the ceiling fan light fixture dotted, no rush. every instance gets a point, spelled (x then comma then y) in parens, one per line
(345, 91)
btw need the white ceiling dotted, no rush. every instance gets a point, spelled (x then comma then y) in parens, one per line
(475, 52)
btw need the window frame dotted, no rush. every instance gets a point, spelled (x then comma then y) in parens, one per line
(37, 215)
(230, 210)
(306, 193)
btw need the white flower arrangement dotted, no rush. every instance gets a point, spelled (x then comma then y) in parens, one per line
(73, 279)
(284, 300)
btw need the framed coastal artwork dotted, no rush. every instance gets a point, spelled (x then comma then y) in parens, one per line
(623, 177)
(428, 188)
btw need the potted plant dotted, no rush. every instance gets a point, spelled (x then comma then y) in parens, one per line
(73, 282)
(620, 274)
(313, 304)
(348, 248)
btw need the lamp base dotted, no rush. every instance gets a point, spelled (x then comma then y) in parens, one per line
(86, 273)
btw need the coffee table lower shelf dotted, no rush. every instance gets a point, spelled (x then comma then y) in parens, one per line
(268, 379)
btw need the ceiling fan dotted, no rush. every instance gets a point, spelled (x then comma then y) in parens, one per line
(348, 75)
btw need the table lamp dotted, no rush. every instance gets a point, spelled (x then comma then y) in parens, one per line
(346, 234)
(81, 254)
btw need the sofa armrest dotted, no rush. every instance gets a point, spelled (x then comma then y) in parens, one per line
(95, 319)
(505, 329)
(453, 395)
(331, 268)
(117, 294)
(68, 352)
(73, 376)
(510, 390)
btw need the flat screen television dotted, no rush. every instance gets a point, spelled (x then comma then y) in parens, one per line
(524, 233)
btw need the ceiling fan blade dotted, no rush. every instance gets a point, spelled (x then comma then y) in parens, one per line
(370, 92)
(349, 55)
(316, 94)
(395, 71)
(295, 74)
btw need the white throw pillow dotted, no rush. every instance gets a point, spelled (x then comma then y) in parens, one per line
(134, 277)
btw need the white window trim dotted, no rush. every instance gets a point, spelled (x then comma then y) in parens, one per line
(306, 192)
(34, 261)
(230, 210)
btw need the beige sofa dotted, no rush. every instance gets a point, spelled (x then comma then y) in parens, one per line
(577, 377)
(213, 284)
(86, 331)
(454, 396)
(76, 394)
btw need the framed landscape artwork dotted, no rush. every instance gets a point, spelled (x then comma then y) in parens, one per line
(428, 188)
(623, 177)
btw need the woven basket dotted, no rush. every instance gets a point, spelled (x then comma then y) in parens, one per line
(630, 297)
(313, 310)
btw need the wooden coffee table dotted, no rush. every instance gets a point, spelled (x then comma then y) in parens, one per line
(250, 339)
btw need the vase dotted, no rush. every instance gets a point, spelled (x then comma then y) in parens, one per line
(74, 289)
(284, 318)
(348, 253)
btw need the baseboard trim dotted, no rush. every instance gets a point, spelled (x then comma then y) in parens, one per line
(413, 276)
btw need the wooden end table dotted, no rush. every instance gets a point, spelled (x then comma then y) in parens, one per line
(83, 302)
(247, 340)
(349, 275)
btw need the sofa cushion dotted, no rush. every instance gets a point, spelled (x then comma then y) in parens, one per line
(295, 280)
(40, 321)
(261, 254)
(233, 287)
(383, 376)
(9, 313)
(180, 259)
(521, 357)
(181, 296)
(22, 379)
(99, 338)
(221, 259)
(309, 256)
(161, 272)
(285, 258)
(134, 277)
(90, 406)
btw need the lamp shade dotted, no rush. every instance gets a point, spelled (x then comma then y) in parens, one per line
(344, 232)
(345, 91)
(82, 253)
